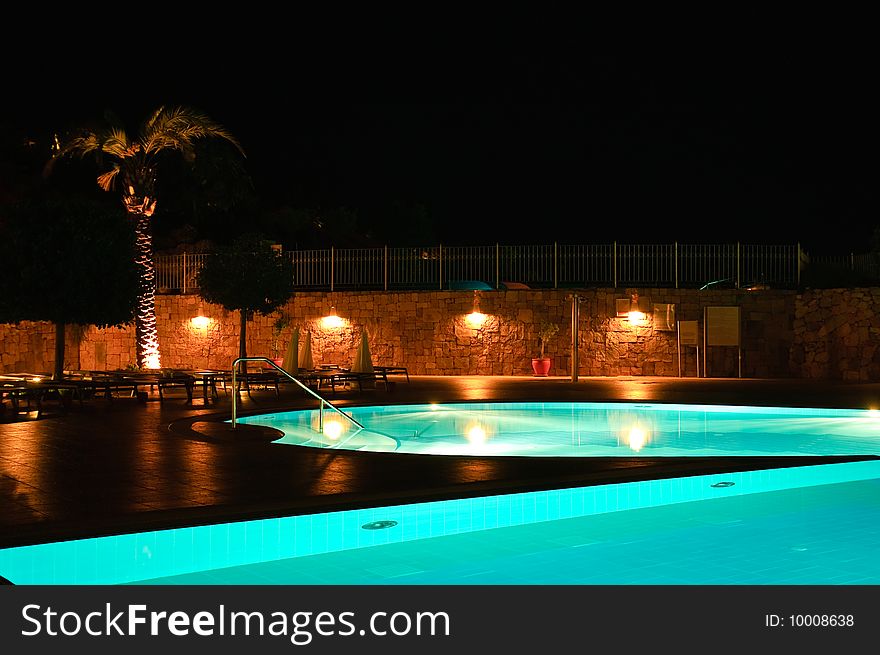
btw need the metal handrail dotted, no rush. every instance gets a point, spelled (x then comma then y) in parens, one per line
(323, 400)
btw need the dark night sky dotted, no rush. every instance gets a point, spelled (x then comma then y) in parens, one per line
(531, 149)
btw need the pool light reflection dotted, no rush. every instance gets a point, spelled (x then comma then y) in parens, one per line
(333, 429)
(637, 438)
(476, 435)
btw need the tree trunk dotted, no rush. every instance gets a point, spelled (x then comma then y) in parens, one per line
(242, 340)
(146, 334)
(58, 372)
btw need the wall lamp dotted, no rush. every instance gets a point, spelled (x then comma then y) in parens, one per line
(332, 321)
(633, 309)
(200, 321)
(476, 318)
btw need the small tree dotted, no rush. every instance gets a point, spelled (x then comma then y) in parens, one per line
(68, 262)
(278, 326)
(546, 331)
(248, 277)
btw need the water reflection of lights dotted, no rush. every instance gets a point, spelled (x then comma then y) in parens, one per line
(333, 429)
(637, 437)
(476, 435)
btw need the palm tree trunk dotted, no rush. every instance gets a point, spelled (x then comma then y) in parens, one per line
(146, 333)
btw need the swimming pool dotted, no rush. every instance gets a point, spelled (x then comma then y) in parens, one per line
(585, 430)
(812, 524)
(815, 524)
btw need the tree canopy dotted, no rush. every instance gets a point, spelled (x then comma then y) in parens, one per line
(69, 261)
(247, 275)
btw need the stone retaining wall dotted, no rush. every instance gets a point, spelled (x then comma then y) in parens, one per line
(837, 335)
(819, 334)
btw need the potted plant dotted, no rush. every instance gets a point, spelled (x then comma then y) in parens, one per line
(541, 364)
(278, 326)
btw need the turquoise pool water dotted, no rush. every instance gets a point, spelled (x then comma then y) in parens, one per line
(805, 525)
(585, 430)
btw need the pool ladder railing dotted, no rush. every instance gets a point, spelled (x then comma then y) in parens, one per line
(305, 388)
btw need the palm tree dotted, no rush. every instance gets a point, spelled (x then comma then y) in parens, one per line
(133, 168)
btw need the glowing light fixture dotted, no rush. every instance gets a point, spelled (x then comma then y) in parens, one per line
(476, 318)
(331, 321)
(200, 322)
(635, 315)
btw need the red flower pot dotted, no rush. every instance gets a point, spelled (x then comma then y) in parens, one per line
(541, 366)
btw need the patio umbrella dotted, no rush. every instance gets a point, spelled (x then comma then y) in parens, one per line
(305, 356)
(289, 363)
(363, 361)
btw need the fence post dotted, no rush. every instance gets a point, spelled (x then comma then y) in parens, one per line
(332, 264)
(497, 266)
(555, 265)
(614, 263)
(386, 268)
(799, 264)
(852, 262)
(184, 272)
(737, 264)
(441, 266)
(676, 264)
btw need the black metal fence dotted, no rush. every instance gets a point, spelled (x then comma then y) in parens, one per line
(535, 266)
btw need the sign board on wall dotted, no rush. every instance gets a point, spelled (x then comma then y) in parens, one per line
(664, 316)
(688, 333)
(722, 326)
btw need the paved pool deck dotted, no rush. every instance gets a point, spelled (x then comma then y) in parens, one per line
(107, 468)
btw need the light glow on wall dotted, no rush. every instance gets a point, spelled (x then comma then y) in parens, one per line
(475, 319)
(332, 321)
(200, 322)
(637, 319)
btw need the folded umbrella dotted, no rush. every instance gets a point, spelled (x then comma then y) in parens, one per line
(305, 356)
(289, 363)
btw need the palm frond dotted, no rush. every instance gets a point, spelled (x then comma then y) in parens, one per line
(105, 180)
(116, 143)
(177, 128)
(82, 144)
(151, 121)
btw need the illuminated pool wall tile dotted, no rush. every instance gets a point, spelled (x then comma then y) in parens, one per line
(142, 556)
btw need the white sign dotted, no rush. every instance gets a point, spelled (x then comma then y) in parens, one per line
(688, 333)
(664, 316)
(722, 326)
